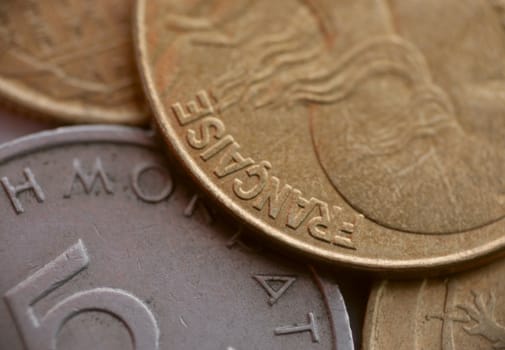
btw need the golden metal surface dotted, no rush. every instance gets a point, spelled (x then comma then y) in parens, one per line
(70, 61)
(460, 312)
(365, 133)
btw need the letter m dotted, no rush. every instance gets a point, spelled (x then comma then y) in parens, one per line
(89, 180)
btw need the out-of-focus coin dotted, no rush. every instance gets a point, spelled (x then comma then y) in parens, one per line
(103, 247)
(464, 312)
(366, 133)
(70, 61)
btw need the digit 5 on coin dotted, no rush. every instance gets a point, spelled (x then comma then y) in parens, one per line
(105, 248)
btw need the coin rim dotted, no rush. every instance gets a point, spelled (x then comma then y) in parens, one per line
(42, 106)
(400, 267)
(77, 134)
(330, 294)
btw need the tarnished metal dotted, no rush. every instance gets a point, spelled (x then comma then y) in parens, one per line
(70, 61)
(104, 246)
(460, 312)
(365, 133)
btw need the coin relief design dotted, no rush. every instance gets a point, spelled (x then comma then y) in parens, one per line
(70, 61)
(464, 311)
(104, 246)
(374, 142)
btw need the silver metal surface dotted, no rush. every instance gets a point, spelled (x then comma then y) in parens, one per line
(103, 246)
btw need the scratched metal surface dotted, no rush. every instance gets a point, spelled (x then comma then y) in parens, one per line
(140, 256)
(378, 124)
(461, 311)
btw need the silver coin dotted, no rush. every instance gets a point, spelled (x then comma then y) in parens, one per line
(102, 246)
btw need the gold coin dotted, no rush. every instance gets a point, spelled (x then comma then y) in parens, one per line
(365, 133)
(70, 61)
(463, 312)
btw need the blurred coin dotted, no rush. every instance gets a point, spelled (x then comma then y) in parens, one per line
(366, 133)
(104, 247)
(464, 312)
(70, 61)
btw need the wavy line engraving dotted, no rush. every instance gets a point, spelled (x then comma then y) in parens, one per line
(389, 105)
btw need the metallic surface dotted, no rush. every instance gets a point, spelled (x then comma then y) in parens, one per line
(70, 61)
(461, 312)
(105, 247)
(365, 133)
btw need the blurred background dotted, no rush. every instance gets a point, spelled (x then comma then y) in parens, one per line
(12, 126)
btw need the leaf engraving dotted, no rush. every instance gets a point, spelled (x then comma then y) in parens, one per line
(482, 320)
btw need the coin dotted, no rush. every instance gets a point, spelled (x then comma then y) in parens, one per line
(105, 247)
(70, 61)
(463, 311)
(365, 133)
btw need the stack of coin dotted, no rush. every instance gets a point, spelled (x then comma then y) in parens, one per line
(272, 164)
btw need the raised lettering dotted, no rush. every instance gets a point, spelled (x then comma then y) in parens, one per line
(14, 191)
(89, 181)
(266, 190)
(238, 240)
(217, 147)
(300, 209)
(327, 229)
(191, 207)
(347, 228)
(259, 171)
(311, 327)
(194, 109)
(163, 194)
(231, 162)
(272, 197)
(206, 126)
(40, 332)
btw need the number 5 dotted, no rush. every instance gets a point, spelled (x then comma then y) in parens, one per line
(39, 332)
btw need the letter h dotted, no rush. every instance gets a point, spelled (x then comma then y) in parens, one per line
(14, 191)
